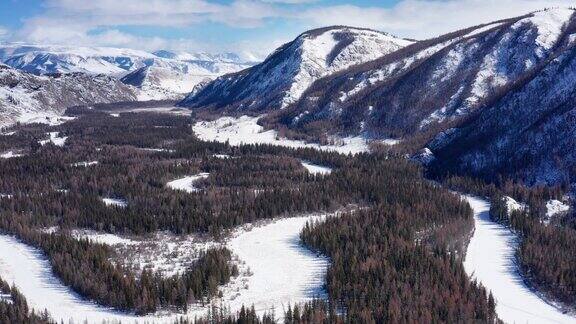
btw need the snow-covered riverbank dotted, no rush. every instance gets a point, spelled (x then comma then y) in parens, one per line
(282, 272)
(30, 271)
(490, 259)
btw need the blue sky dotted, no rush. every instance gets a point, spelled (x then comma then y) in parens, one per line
(249, 27)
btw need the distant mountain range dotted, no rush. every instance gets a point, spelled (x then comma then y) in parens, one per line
(493, 99)
(159, 75)
(26, 97)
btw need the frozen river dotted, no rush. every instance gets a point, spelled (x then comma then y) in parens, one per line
(282, 271)
(490, 259)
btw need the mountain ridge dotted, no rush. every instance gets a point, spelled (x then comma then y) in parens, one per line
(290, 69)
(161, 77)
(25, 97)
(440, 94)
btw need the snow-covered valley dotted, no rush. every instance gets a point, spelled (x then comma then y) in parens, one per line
(276, 271)
(28, 269)
(283, 271)
(490, 259)
(150, 211)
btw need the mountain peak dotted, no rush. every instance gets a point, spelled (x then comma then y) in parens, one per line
(292, 68)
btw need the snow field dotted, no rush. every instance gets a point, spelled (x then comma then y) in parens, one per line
(513, 205)
(114, 202)
(43, 117)
(9, 154)
(276, 271)
(554, 207)
(84, 164)
(283, 272)
(30, 271)
(316, 169)
(245, 130)
(102, 238)
(187, 183)
(490, 259)
(55, 139)
(161, 252)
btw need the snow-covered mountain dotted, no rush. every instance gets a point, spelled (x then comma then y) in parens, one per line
(200, 57)
(435, 81)
(39, 59)
(173, 78)
(27, 97)
(160, 75)
(498, 98)
(286, 74)
(529, 131)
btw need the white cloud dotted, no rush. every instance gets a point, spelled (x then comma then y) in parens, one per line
(3, 32)
(256, 50)
(96, 22)
(72, 22)
(426, 18)
(290, 1)
(174, 13)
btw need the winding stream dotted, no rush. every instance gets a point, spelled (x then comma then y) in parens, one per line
(284, 272)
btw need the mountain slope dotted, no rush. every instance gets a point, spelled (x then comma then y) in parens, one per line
(431, 82)
(494, 99)
(24, 96)
(502, 97)
(284, 76)
(529, 134)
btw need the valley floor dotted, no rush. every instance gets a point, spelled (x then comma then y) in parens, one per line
(490, 259)
(28, 269)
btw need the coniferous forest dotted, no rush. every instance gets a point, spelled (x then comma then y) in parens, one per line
(396, 255)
